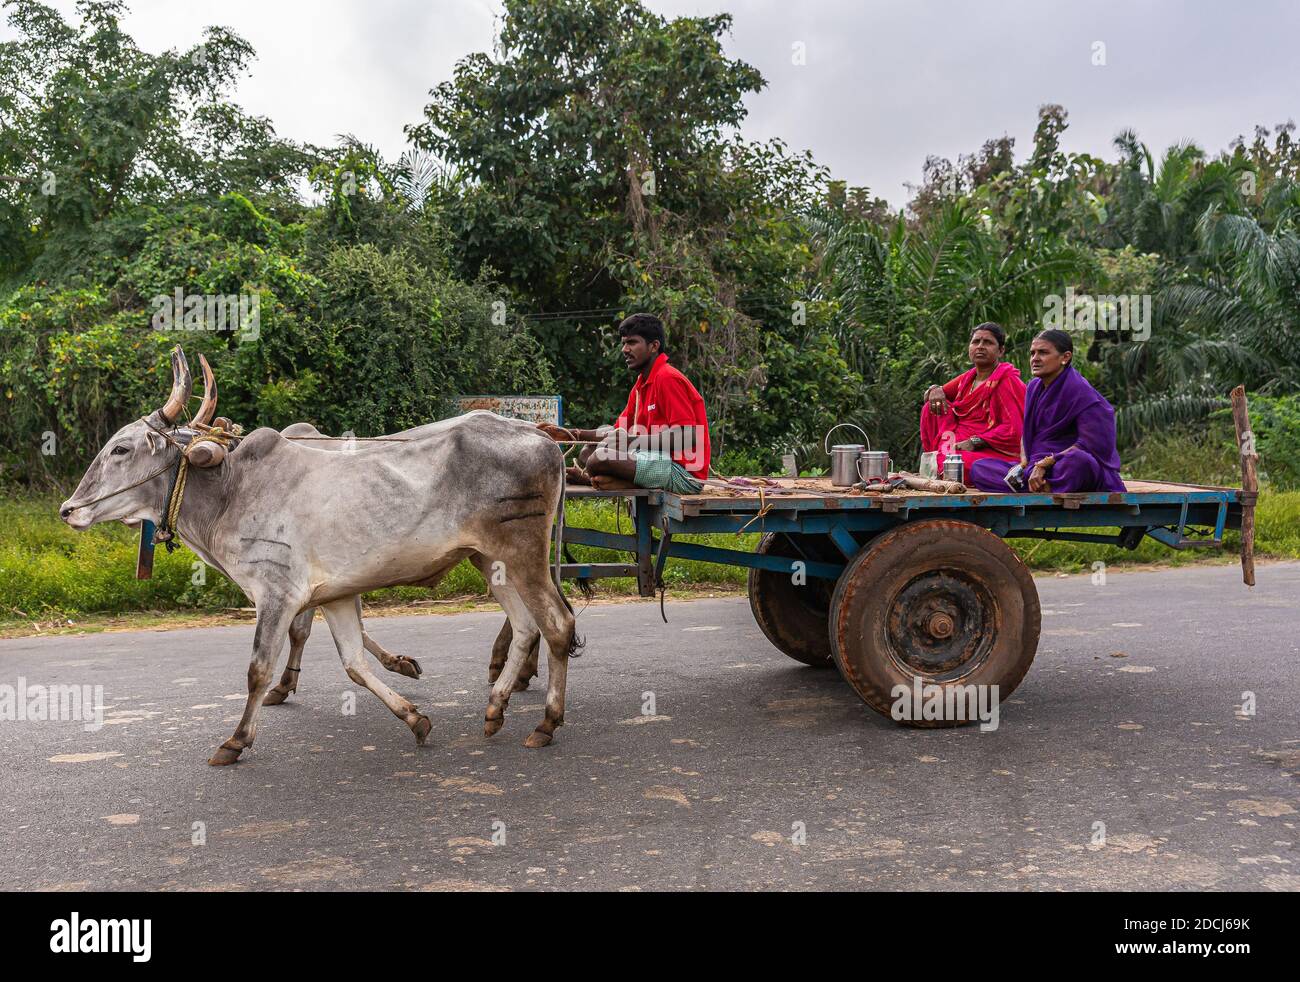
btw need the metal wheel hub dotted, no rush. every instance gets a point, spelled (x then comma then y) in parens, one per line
(940, 625)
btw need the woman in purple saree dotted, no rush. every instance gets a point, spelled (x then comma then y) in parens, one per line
(1069, 434)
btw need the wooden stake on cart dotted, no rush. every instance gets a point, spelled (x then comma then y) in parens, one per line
(1249, 482)
(917, 483)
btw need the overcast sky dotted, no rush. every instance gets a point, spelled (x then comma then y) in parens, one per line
(882, 86)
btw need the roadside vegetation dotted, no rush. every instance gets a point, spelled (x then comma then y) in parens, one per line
(50, 575)
(590, 166)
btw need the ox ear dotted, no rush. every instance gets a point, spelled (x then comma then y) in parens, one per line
(208, 408)
(182, 386)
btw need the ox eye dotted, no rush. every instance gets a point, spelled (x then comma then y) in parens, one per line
(120, 451)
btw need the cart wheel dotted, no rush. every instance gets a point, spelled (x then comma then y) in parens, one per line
(794, 618)
(945, 601)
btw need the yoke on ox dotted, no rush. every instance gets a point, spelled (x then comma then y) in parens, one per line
(297, 527)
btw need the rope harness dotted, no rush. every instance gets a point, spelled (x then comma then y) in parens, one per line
(144, 480)
(114, 494)
(166, 531)
(168, 528)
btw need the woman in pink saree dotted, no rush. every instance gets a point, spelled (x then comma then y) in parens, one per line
(980, 412)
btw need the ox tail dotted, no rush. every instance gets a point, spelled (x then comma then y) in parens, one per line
(559, 539)
(584, 582)
(576, 643)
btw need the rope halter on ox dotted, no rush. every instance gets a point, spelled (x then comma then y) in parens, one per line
(201, 445)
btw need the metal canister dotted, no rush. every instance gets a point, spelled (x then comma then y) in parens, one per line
(874, 465)
(844, 456)
(844, 464)
(954, 469)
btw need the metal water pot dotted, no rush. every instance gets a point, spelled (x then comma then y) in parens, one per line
(844, 457)
(844, 463)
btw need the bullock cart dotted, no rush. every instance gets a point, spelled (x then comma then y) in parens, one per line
(891, 587)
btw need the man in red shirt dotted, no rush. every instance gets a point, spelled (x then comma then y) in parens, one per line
(661, 439)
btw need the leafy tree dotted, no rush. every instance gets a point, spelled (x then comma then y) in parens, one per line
(163, 186)
(558, 135)
(602, 175)
(1237, 323)
(1276, 168)
(942, 181)
(588, 167)
(89, 122)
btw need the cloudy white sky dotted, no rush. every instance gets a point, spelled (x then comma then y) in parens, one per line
(884, 84)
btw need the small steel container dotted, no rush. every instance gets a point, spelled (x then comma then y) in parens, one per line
(954, 469)
(874, 465)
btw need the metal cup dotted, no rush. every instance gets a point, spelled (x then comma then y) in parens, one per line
(874, 465)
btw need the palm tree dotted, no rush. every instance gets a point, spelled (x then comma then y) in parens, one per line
(1156, 209)
(1237, 322)
(906, 300)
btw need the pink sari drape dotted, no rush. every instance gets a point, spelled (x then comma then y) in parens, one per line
(994, 412)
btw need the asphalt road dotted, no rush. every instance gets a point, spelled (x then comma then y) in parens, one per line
(707, 791)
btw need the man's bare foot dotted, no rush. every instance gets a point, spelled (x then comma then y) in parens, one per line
(602, 482)
(576, 475)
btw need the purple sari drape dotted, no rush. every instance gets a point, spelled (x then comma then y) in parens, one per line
(1070, 421)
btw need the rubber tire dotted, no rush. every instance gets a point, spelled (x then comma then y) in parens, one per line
(794, 618)
(870, 586)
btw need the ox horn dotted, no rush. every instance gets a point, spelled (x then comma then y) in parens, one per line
(207, 408)
(182, 386)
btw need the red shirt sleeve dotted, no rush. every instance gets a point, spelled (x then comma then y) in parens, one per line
(678, 404)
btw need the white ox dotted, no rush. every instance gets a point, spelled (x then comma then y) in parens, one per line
(300, 629)
(297, 527)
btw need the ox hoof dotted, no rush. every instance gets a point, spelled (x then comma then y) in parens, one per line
(538, 738)
(224, 756)
(276, 696)
(421, 728)
(408, 667)
(493, 726)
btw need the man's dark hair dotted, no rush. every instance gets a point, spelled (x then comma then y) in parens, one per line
(646, 326)
(995, 329)
(1059, 340)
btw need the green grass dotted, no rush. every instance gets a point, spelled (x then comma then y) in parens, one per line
(48, 572)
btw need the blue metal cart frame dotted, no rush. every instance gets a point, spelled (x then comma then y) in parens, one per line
(900, 589)
(1168, 515)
